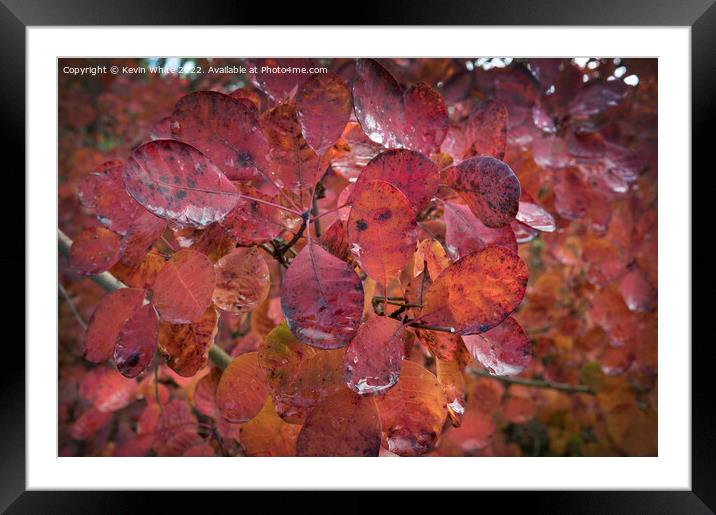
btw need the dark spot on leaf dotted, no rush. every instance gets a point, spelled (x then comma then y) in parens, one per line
(361, 225)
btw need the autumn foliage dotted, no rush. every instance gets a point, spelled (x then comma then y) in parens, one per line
(391, 257)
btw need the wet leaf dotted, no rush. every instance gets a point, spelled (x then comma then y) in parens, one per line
(465, 233)
(323, 105)
(242, 281)
(253, 221)
(267, 435)
(242, 389)
(112, 312)
(137, 342)
(142, 274)
(183, 288)
(277, 77)
(486, 130)
(176, 182)
(412, 413)
(106, 389)
(94, 251)
(382, 230)
(378, 102)
(344, 424)
(223, 129)
(295, 163)
(372, 360)
(489, 187)
(299, 375)
(144, 231)
(536, 217)
(451, 378)
(413, 174)
(442, 345)
(103, 190)
(186, 346)
(322, 298)
(426, 119)
(637, 291)
(477, 292)
(504, 350)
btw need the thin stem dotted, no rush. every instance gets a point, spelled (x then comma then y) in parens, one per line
(437, 328)
(272, 204)
(537, 383)
(314, 218)
(71, 304)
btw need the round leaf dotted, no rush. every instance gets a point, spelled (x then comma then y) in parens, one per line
(242, 281)
(322, 298)
(242, 389)
(323, 105)
(137, 342)
(344, 424)
(382, 230)
(176, 182)
(504, 350)
(183, 288)
(186, 346)
(477, 292)
(111, 313)
(94, 251)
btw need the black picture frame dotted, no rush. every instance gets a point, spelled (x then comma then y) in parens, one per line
(699, 15)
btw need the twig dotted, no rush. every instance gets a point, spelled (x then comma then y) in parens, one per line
(316, 223)
(219, 357)
(438, 328)
(537, 383)
(71, 304)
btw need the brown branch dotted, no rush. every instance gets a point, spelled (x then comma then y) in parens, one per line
(537, 383)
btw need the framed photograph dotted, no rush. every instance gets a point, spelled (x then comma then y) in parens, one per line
(459, 236)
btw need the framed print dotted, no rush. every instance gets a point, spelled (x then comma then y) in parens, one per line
(465, 239)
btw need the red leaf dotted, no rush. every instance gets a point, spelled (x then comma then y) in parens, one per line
(295, 164)
(413, 412)
(183, 288)
(378, 103)
(412, 173)
(571, 194)
(223, 129)
(137, 342)
(278, 77)
(186, 346)
(94, 251)
(111, 313)
(107, 389)
(335, 239)
(299, 375)
(242, 281)
(489, 187)
(426, 119)
(505, 350)
(103, 190)
(322, 298)
(382, 230)
(486, 130)
(465, 233)
(253, 222)
(242, 389)
(372, 360)
(143, 232)
(177, 182)
(344, 424)
(476, 292)
(323, 105)
(636, 290)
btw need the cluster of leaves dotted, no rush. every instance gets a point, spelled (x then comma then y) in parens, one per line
(351, 238)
